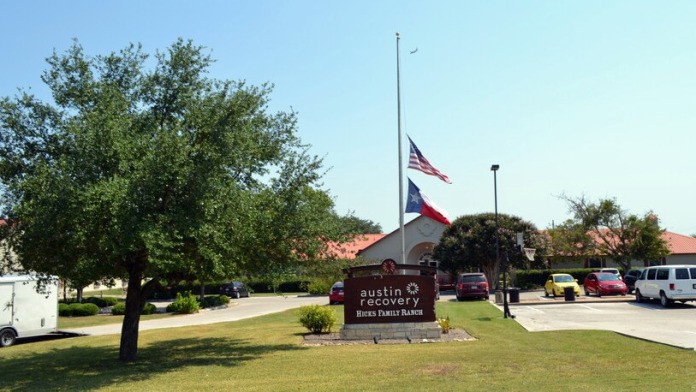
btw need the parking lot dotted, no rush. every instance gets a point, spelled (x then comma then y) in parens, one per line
(674, 326)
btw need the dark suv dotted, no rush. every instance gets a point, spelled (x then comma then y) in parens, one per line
(630, 279)
(472, 285)
(234, 290)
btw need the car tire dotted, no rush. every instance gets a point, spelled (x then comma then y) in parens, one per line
(664, 301)
(587, 293)
(460, 298)
(599, 293)
(7, 337)
(639, 297)
(236, 295)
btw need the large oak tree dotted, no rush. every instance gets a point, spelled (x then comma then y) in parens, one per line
(148, 169)
(469, 243)
(604, 229)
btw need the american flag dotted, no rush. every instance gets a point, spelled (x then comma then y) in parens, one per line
(417, 161)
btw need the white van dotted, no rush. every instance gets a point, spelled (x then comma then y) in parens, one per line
(668, 283)
(25, 309)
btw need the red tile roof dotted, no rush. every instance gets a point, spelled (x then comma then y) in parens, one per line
(349, 250)
(680, 244)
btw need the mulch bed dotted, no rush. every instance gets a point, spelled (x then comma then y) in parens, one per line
(334, 338)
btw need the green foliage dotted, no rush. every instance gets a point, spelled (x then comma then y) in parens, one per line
(149, 308)
(120, 309)
(64, 309)
(102, 302)
(609, 231)
(185, 304)
(212, 301)
(445, 324)
(351, 224)
(77, 309)
(149, 168)
(469, 244)
(319, 286)
(317, 319)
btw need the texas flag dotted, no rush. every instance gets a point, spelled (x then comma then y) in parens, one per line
(419, 203)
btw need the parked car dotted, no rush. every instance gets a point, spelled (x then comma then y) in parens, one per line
(630, 279)
(668, 283)
(472, 285)
(234, 290)
(336, 294)
(556, 284)
(614, 271)
(604, 283)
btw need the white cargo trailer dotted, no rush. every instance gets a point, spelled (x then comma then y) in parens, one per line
(24, 311)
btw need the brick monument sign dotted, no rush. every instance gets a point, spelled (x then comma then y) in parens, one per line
(386, 302)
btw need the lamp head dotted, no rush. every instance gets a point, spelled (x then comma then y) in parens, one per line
(495, 167)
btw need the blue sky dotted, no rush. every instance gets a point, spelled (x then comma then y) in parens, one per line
(592, 98)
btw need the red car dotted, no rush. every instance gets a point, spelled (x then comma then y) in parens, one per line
(473, 285)
(336, 293)
(603, 283)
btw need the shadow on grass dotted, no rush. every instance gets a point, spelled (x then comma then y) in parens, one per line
(82, 368)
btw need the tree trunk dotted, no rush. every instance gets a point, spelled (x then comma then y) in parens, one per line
(202, 292)
(131, 321)
(79, 295)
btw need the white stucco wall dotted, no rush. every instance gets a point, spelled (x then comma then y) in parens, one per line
(421, 236)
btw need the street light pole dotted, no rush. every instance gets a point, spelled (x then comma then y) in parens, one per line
(506, 309)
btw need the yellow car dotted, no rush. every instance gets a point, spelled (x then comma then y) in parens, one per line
(556, 284)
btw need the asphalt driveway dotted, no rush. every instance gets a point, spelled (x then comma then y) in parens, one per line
(239, 309)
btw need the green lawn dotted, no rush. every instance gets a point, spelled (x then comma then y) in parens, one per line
(264, 354)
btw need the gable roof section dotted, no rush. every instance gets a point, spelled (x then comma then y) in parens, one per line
(350, 250)
(679, 244)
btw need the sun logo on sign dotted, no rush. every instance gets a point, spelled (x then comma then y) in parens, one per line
(412, 288)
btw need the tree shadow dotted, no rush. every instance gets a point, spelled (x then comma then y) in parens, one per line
(82, 368)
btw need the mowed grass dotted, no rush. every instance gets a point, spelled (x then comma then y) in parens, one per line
(265, 354)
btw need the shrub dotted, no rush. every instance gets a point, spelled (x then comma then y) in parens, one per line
(319, 287)
(317, 318)
(149, 308)
(444, 324)
(185, 303)
(80, 310)
(64, 310)
(120, 309)
(214, 300)
(102, 302)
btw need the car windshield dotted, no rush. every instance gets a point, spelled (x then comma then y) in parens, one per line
(473, 278)
(606, 277)
(563, 278)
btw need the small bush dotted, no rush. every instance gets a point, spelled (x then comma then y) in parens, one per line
(444, 324)
(120, 309)
(149, 308)
(214, 300)
(319, 287)
(317, 318)
(81, 310)
(185, 303)
(64, 310)
(102, 302)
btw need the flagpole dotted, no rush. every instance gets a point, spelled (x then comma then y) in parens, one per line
(401, 175)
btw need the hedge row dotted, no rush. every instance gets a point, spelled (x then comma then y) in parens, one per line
(255, 286)
(77, 310)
